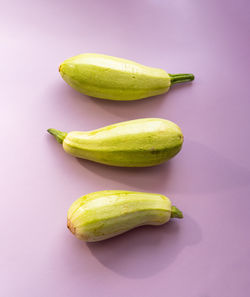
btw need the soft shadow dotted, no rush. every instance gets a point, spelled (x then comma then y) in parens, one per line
(148, 178)
(77, 103)
(146, 107)
(201, 169)
(145, 251)
(197, 169)
(132, 109)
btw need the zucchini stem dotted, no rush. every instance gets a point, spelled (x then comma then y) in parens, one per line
(176, 213)
(59, 135)
(179, 78)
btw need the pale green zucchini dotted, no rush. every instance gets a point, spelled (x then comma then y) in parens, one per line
(114, 78)
(105, 214)
(136, 143)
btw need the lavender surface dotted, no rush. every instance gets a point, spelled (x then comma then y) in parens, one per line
(207, 254)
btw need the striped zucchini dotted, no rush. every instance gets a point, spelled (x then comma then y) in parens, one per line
(136, 143)
(105, 214)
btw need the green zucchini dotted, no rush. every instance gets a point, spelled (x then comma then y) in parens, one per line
(105, 214)
(107, 77)
(136, 143)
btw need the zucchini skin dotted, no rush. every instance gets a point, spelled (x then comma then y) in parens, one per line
(113, 78)
(137, 143)
(104, 214)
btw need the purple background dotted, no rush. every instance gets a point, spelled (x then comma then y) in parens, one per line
(207, 254)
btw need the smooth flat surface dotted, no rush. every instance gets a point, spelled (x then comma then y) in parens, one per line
(207, 254)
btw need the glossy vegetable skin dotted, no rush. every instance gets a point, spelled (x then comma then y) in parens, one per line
(105, 214)
(114, 78)
(136, 143)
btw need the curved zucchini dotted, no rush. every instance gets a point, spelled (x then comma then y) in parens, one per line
(108, 77)
(136, 143)
(105, 214)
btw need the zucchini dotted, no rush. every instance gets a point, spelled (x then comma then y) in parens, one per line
(108, 77)
(105, 214)
(136, 143)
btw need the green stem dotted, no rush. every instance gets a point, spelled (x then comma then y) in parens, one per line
(58, 134)
(176, 213)
(179, 78)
